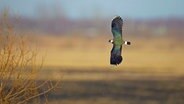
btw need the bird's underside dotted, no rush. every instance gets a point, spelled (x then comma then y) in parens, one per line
(116, 28)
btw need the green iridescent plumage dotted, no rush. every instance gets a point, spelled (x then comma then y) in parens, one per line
(117, 41)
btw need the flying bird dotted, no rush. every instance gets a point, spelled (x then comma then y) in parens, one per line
(117, 41)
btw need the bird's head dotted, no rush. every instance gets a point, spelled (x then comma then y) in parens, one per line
(111, 41)
(127, 43)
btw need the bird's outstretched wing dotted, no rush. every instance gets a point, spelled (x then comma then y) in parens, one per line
(116, 27)
(116, 57)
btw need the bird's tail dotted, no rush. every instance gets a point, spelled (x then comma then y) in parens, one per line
(127, 43)
(116, 59)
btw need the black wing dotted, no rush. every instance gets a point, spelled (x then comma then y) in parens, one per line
(116, 27)
(116, 57)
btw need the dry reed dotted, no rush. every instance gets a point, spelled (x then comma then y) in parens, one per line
(19, 71)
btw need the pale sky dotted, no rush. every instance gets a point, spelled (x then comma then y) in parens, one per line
(88, 8)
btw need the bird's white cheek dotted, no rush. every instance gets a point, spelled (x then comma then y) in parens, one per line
(111, 41)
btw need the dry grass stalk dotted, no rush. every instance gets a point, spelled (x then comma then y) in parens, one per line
(18, 70)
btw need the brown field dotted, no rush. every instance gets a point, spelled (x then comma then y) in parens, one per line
(102, 86)
(151, 73)
(76, 51)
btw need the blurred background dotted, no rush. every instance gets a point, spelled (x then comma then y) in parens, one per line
(72, 36)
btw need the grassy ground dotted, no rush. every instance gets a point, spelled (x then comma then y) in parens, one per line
(151, 73)
(159, 54)
(103, 86)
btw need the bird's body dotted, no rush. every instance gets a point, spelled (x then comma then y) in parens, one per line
(117, 41)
